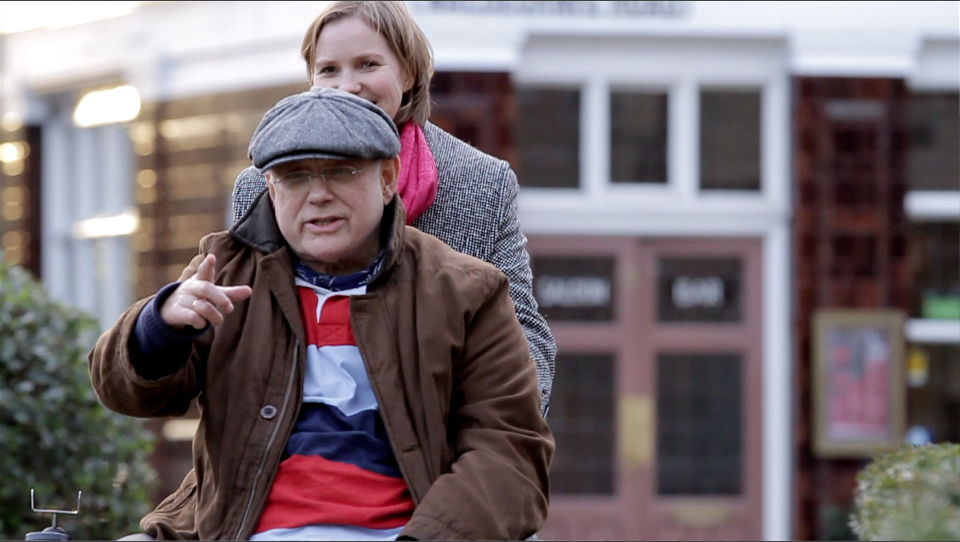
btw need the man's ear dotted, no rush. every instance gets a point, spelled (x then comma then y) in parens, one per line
(389, 177)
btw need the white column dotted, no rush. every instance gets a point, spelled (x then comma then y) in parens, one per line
(595, 139)
(776, 181)
(777, 385)
(683, 136)
(775, 146)
(114, 253)
(84, 203)
(56, 204)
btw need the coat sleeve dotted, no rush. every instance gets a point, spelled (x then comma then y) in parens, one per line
(510, 255)
(498, 486)
(122, 389)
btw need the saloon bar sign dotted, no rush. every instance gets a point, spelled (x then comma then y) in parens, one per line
(699, 290)
(599, 8)
(574, 288)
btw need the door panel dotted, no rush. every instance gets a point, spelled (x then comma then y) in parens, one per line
(704, 360)
(656, 401)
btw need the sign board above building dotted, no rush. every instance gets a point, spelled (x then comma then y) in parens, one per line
(590, 9)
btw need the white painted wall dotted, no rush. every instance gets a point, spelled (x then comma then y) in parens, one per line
(187, 48)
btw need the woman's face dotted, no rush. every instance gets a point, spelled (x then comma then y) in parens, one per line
(354, 58)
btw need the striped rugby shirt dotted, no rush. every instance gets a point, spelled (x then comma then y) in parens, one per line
(339, 478)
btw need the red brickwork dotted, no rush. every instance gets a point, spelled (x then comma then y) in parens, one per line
(477, 107)
(849, 244)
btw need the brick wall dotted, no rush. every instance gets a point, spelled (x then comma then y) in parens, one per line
(849, 246)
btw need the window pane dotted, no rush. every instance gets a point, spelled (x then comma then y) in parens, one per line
(581, 417)
(476, 107)
(730, 140)
(933, 162)
(548, 137)
(699, 424)
(699, 290)
(933, 398)
(937, 283)
(577, 289)
(638, 139)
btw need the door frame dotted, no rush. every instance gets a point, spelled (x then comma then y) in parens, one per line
(634, 337)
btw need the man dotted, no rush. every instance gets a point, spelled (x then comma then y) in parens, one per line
(357, 379)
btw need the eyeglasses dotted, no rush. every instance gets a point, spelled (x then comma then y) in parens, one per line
(300, 179)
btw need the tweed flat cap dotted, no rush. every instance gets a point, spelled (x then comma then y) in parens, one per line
(323, 123)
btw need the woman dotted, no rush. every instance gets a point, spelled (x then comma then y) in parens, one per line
(450, 190)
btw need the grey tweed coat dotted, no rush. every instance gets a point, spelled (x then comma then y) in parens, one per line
(475, 213)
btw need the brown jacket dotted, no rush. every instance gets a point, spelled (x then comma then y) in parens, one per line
(444, 353)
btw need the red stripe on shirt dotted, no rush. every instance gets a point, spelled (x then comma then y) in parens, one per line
(333, 329)
(310, 490)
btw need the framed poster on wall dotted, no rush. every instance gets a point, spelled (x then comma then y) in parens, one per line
(858, 382)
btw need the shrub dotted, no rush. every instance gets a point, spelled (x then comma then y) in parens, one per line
(910, 494)
(56, 436)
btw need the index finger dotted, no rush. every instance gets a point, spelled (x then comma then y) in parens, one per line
(206, 271)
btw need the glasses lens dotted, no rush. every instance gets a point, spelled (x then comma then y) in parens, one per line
(296, 179)
(339, 173)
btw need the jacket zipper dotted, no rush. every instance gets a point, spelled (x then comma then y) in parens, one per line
(273, 437)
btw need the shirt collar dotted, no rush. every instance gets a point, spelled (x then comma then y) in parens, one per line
(336, 283)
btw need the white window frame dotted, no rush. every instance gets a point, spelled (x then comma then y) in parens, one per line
(681, 66)
(936, 70)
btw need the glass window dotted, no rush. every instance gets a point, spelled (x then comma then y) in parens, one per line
(548, 137)
(933, 398)
(638, 137)
(730, 140)
(933, 162)
(699, 290)
(579, 289)
(476, 107)
(699, 424)
(582, 418)
(85, 173)
(936, 261)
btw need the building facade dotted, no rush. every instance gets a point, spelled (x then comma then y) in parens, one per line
(698, 180)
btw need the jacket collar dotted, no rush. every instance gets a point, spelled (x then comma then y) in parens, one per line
(258, 229)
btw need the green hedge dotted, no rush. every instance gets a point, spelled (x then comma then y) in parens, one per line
(910, 494)
(55, 435)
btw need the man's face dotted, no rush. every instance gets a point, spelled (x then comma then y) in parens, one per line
(329, 216)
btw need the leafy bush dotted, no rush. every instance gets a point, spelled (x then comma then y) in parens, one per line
(55, 435)
(910, 494)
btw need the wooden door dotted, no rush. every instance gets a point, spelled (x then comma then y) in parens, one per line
(658, 357)
(701, 356)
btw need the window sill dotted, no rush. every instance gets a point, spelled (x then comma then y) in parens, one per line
(929, 331)
(932, 205)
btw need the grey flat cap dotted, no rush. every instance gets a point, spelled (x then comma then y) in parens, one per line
(323, 123)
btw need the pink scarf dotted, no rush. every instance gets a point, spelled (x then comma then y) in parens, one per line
(417, 184)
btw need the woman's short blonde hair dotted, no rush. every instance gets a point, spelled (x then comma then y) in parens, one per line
(394, 23)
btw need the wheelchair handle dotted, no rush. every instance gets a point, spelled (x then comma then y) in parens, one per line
(53, 532)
